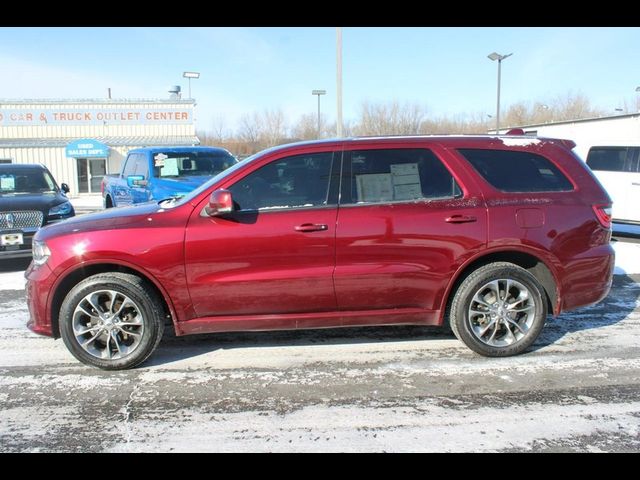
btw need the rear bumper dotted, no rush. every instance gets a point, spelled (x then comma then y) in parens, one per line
(588, 278)
(40, 281)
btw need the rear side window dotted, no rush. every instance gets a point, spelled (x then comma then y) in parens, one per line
(512, 171)
(396, 175)
(613, 159)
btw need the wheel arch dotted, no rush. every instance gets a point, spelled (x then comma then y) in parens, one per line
(71, 278)
(531, 262)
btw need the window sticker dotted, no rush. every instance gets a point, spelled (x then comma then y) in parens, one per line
(159, 160)
(374, 187)
(169, 167)
(7, 182)
(406, 181)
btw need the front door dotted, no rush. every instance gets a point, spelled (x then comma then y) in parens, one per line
(90, 174)
(404, 225)
(275, 253)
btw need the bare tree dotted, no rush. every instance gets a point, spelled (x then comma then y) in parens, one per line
(219, 131)
(273, 127)
(389, 119)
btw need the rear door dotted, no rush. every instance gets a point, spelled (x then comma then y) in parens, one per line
(405, 224)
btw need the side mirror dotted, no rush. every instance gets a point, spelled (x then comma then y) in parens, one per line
(65, 188)
(220, 203)
(136, 181)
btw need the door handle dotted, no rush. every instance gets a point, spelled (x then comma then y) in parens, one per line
(460, 219)
(636, 184)
(310, 227)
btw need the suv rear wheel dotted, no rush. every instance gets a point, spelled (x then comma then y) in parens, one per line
(111, 321)
(498, 310)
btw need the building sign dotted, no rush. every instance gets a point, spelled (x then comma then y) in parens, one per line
(87, 148)
(95, 116)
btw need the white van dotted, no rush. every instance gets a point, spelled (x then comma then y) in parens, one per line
(618, 170)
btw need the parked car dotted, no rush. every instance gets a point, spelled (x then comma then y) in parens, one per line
(29, 199)
(487, 234)
(156, 173)
(618, 169)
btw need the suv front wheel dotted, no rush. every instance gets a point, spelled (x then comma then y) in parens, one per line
(498, 310)
(111, 321)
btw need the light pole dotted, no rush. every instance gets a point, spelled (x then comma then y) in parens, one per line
(190, 75)
(496, 56)
(318, 93)
(339, 80)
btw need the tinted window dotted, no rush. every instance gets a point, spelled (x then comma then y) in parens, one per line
(26, 181)
(610, 159)
(395, 175)
(299, 181)
(142, 165)
(512, 171)
(189, 164)
(130, 166)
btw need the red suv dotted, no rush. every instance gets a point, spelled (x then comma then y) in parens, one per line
(484, 233)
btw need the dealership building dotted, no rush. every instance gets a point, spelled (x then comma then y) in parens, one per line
(82, 140)
(612, 130)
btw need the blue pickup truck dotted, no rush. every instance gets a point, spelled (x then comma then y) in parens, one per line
(156, 173)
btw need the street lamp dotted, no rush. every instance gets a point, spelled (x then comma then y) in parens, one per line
(318, 93)
(496, 56)
(191, 75)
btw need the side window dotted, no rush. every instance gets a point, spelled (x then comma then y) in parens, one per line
(515, 171)
(142, 165)
(130, 165)
(395, 175)
(291, 182)
(608, 159)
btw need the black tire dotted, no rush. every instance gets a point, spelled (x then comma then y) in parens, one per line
(464, 323)
(108, 203)
(145, 304)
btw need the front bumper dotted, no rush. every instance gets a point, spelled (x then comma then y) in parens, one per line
(40, 282)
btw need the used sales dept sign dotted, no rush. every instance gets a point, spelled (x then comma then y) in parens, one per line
(94, 116)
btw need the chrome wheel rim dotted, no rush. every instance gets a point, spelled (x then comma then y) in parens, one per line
(501, 312)
(108, 325)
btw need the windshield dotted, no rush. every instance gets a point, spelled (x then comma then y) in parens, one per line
(190, 164)
(26, 181)
(229, 171)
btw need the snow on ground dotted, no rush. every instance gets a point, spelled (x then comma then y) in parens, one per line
(627, 257)
(12, 281)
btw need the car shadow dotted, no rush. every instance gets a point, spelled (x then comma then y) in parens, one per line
(14, 264)
(173, 348)
(614, 308)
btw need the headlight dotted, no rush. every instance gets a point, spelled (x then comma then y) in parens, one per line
(62, 209)
(40, 252)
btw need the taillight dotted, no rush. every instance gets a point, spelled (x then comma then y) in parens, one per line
(603, 214)
(102, 187)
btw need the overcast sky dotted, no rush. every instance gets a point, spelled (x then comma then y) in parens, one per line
(445, 69)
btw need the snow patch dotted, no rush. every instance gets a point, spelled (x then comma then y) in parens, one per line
(627, 257)
(519, 142)
(12, 281)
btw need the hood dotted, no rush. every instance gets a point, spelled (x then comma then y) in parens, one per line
(31, 201)
(110, 219)
(182, 184)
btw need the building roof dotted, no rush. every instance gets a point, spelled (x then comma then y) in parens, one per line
(578, 120)
(139, 141)
(84, 101)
